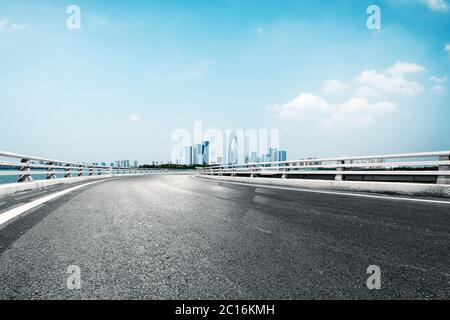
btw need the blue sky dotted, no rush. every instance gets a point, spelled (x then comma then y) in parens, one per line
(136, 71)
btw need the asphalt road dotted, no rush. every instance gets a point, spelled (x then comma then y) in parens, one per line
(175, 237)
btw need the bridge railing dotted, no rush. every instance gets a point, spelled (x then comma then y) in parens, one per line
(25, 167)
(426, 167)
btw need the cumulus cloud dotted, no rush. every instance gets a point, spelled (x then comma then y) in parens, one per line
(357, 111)
(401, 68)
(392, 81)
(97, 21)
(334, 86)
(368, 92)
(438, 84)
(437, 5)
(447, 48)
(134, 117)
(439, 89)
(369, 97)
(301, 107)
(438, 80)
(259, 31)
(5, 24)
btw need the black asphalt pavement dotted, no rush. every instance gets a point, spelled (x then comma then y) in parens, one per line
(176, 237)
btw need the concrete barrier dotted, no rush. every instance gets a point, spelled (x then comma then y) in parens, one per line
(398, 188)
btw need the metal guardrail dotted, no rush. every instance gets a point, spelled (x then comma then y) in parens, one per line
(29, 166)
(423, 164)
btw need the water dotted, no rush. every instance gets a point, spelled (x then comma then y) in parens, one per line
(14, 178)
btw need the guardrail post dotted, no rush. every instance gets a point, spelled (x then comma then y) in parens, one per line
(340, 177)
(68, 172)
(285, 170)
(91, 171)
(26, 177)
(51, 171)
(80, 170)
(444, 179)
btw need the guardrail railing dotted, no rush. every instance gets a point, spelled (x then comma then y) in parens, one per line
(25, 167)
(426, 167)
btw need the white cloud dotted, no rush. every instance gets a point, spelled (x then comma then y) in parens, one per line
(259, 31)
(439, 89)
(334, 86)
(17, 26)
(97, 21)
(438, 80)
(360, 108)
(367, 92)
(134, 117)
(301, 107)
(401, 68)
(447, 47)
(5, 24)
(358, 105)
(437, 5)
(438, 84)
(357, 111)
(393, 83)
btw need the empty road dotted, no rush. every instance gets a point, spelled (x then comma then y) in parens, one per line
(176, 237)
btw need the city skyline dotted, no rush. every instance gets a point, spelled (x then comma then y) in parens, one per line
(131, 75)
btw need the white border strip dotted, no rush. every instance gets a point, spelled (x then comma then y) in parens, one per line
(325, 192)
(11, 214)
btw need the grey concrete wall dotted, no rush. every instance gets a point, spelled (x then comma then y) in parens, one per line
(399, 188)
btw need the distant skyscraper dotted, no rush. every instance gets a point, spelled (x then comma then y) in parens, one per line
(273, 154)
(199, 154)
(135, 164)
(282, 155)
(188, 156)
(205, 152)
(194, 154)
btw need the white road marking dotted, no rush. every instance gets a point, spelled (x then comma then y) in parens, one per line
(329, 192)
(8, 215)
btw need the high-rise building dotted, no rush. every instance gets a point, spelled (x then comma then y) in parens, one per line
(194, 154)
(135, 164)
(273, 154)
(188, 156)
(199, 154)
(282, 155)
(205, 152)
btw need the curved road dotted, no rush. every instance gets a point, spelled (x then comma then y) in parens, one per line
(158, 237)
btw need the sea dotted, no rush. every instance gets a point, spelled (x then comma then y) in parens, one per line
(14, 178)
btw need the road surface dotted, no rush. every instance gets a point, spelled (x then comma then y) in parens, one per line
(176, 237)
